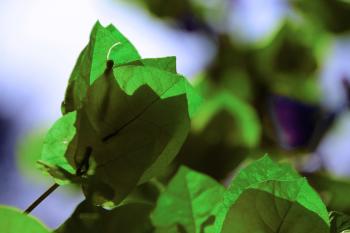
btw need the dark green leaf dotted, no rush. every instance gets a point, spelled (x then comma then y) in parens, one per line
(130, 218)
(340, 222)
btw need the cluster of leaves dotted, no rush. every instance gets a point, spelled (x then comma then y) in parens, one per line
(263, 96)
(263, 197)
(126, 118)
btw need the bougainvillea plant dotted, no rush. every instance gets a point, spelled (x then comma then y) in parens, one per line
(124, 121)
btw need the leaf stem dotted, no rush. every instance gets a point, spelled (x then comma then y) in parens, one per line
(41, 198)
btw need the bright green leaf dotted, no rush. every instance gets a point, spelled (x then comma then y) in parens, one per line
(259, 171)
(56, 144)
(165, 63)
(188, 202)
(278, 206)
(14, 221)
(106, 43)
(164, 84)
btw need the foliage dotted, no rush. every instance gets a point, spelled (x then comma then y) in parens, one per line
(151, 156)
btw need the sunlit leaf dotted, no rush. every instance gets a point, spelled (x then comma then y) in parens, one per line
(164, 63)
(14, 221)
(278, 206)
(259, 171)
(188, 202)
(106, 43)
(55, 145)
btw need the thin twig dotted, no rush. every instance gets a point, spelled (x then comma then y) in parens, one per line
(41, 198)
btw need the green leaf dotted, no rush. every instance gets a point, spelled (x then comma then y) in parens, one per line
(278, 206)
(55, 146)
(133, 127)
(14, 221)
(188, 203)
(164, 63)
(106, 43)
(164, 84)
(141, 131)
(257, 172)
(339, 222)
(130, 218)
(246, 129)
(128, 127)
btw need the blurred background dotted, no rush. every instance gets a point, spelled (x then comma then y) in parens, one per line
(274, 74)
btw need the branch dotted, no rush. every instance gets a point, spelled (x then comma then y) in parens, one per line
(41, 198)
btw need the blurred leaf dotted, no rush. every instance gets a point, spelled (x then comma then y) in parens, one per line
(130, 218)
(331, 15)
(245, 130)
(289, 64)
(14, 221)
(216, 159)
(277, 206)
(28, 152)
(339, 222)
(296, 122)
(189, 14)
(333, 190)
(225, 125)
(187, 203)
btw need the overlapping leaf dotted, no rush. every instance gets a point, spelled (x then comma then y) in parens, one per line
(106, 43)
(278, 206)
(262, 170)
(188, 203)
(130, 218)
(14, 221)
(129, 125)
